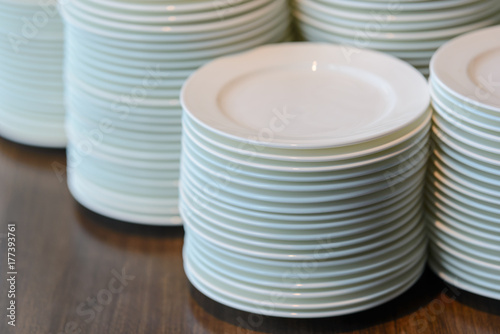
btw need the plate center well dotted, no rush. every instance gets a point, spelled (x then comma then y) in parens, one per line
(307, 101)
(484, 71)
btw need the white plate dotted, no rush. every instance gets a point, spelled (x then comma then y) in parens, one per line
(170, 100)
(410, 49)
(297, 183)
(475, 122)
(139, 203)
(306, 74)
(181, 45)
(430, 34)
(163, 154)
(463, 106)
(423, 6)
(41, 48)
(170, 6)
(468, 128)
(470, 265)
(275, 31)
(85, 69)
(488, 279)
(482, 146)
(462, 148)
(32, 92)
(316, 221)
(485, 258)
(464, 65)
(394, 241)
(404, 138)
(172, 37)
(458, 280)
(484, 197)
(23, 77)
(157, 139)
(158, 93)
(122, 123)
(88, 201)
(83, 148)
(266, 308)
(484, 190)
(330, 269)
(121, 185)
(137, 64)
(306, 196)
(337, 232)
(397, 20)
(249, 276)
(310, 29)
(243, 201)
(168, 18)
(76, 159)
(237, 296)
(471, 162)
(292, 295)
(32, 63)
(32, 108)
(300, 230)
(165, 180)
(473, 227)
(73, 15)
(463, 198)
(33, 118)
(129, 107)
(399, 14)
(27, 122)
(361, 175)
(449, 228)
(465, 170)
(348, 247)
(446, 203)
(372, 162)
(32, 137)
(141, 132)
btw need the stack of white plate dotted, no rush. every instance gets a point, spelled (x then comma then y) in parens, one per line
(126, 62)
(31, 79)
(464, 184)
(411, 29)
(301, 179)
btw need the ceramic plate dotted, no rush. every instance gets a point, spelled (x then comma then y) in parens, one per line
(464, 66)
(317, 84)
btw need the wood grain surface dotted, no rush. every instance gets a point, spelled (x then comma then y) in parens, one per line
(78, 272)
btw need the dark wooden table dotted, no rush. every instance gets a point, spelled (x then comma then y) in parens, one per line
(78, 272)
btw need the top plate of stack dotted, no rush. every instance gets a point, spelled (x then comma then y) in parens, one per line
(468, 69)
(332, 104)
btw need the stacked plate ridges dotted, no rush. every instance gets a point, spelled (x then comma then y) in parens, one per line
(301, 179)
(411, 30)
(463, 194)
(126, 62)
(31, 77)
